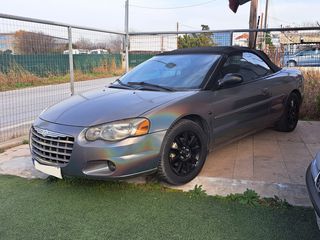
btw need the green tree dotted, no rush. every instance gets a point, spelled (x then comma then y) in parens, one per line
(34, 43)
(268, 39)
(196, 40)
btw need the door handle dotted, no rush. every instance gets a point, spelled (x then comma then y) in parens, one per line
(265, 91)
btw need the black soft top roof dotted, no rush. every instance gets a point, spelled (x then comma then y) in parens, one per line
(224, 51)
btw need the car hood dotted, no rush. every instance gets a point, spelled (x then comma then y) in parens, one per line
(107, 105)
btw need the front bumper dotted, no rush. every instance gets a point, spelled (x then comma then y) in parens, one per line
(314, 194)
(130, 157)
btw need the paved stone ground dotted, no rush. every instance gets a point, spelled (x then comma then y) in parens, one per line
(269, 162)
(267, 156)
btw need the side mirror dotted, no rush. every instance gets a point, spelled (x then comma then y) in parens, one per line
(230, 79)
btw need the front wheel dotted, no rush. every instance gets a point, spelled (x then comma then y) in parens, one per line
(183, 153)
(290, 117)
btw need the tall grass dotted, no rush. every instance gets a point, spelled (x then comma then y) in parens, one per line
(311, 102)
(17, 77)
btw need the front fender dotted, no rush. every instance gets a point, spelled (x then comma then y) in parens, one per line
(165, 116)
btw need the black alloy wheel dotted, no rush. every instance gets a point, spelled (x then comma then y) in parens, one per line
(183, 153)
(290, 116)
(293, 113)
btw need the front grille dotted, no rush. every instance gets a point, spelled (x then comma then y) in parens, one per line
(51, 148)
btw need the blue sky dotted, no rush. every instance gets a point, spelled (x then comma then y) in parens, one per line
(110, 13)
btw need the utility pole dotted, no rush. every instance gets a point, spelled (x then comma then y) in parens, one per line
(71, 70)
(177, 35)
(266, 14)
(265, 24)
(260, 34)
(126, 28)
(253, 22)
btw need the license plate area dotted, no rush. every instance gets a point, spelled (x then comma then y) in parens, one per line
(50, 170)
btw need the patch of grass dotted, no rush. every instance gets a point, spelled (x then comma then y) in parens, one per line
(22, 85)
(250, 197)
(1, 150)
(25, 141)
(82, 209)
(197, 191)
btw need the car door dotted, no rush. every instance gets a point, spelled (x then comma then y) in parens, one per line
(241, 108)
(317, 57)
(314, 58)
(305, 58)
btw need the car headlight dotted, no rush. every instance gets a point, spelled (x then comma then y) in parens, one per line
(118, 130)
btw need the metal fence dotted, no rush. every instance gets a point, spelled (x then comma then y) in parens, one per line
(287, 47)
(44, 62)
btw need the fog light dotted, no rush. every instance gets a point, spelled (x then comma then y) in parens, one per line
(99, 168)
(111, 166)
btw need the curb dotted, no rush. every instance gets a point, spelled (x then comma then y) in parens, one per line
(13, 142)
(294, 194)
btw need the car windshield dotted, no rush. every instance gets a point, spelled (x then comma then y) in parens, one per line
(185, 71)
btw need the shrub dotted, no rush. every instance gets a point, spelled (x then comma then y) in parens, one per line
(197, 191)
(249, 197)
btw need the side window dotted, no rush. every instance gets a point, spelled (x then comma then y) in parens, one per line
(248, 65)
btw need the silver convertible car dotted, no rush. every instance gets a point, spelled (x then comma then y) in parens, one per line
(166, 114)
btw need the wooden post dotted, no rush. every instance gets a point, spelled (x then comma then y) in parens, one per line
(261, 34)
(253, 22)
(265, 24)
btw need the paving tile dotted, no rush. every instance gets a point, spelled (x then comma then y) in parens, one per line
(19, 151)
(267, 134)
(268, 170)
(288, 137)
(309, 131)
(243, 168)
(296, 171)
(296, 158)
(221, 162)
(295, 152)
(313, 148)
(266, 149)
(22, 167)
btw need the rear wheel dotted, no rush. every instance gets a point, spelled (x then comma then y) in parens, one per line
(183, 153)
(290, 117)
(292, 64)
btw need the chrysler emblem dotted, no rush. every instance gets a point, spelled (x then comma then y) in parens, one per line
(47, 133)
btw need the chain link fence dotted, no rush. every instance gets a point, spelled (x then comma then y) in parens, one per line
(44, 62)
(287, 47)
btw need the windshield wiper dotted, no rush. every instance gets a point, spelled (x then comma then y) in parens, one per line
(151, 85)
(121, 84)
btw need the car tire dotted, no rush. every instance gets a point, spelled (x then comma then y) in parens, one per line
(290, 116)
(292, 64)
(183, 153)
